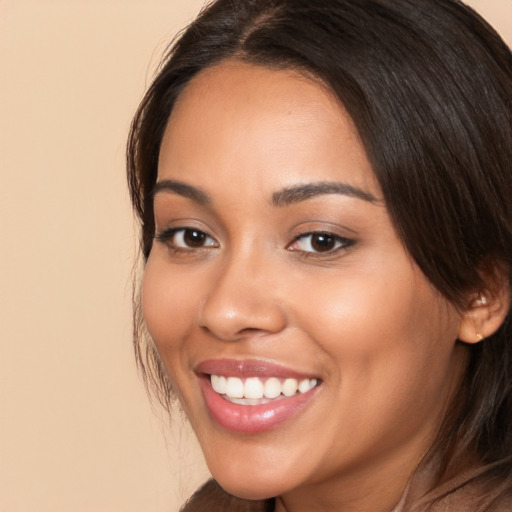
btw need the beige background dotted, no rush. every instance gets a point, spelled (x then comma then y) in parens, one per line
(77, 433)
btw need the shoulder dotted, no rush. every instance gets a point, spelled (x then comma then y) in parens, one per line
(213, 498)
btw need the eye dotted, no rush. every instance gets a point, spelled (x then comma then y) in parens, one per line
(186, 238)
(320, 242)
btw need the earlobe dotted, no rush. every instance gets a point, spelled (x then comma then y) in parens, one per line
(485, 314)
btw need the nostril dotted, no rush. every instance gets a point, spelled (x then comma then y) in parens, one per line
(234, 316)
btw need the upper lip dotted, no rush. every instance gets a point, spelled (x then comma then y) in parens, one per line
(248, 368)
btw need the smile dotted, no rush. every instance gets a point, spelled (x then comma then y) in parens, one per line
(252, 397)
(255, 390)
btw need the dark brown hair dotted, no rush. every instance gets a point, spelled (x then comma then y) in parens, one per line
(428, 84)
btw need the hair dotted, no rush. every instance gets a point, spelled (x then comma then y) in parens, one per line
(428, 84)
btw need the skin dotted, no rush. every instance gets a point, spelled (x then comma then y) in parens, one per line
(360, 316)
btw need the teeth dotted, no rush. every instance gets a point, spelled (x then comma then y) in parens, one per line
(234, 387)
(290, 387)
(305, 385)
(272, 388)
(219, 384)
(254, 389)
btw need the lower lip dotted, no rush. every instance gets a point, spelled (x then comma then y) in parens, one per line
(252, 419)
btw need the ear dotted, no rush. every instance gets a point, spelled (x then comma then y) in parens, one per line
(485, 313)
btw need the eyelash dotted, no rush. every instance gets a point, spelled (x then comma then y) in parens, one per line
(340, 243)
(169, 238)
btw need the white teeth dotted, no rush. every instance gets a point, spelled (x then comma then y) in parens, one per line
(290, 387)
(234, 387)
(246, 401)
(254, 389)
(219, 384)
(306, 384)
(272, 388)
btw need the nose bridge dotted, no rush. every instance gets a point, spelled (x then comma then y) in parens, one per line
(242, 296)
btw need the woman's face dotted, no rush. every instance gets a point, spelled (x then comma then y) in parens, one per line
(276, 267)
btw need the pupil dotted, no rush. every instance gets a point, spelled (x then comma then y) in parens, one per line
(194, 238)
(322, 243)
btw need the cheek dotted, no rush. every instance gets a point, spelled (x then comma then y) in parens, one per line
(393, 303)
(167, 306)
(353, 310)
(382, 329)
(389, 346)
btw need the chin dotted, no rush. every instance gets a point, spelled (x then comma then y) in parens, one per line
(253, 490)
(251, 485)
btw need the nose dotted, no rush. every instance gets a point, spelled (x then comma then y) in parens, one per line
(242, 300)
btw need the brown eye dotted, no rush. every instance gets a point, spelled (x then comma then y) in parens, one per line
(321, 242)
(194, 238)
(186, 238)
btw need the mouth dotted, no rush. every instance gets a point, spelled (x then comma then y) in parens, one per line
(252, 397)
(256, 390)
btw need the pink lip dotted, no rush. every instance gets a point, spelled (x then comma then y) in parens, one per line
(250, 419)
(248, 368)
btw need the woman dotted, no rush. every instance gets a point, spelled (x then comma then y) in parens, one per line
(324, 195)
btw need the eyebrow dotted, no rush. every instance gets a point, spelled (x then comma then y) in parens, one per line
(284, 197)
(182, 189)
(298, 193)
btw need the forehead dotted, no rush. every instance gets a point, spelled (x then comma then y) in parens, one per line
(256, 123)
(285, 86)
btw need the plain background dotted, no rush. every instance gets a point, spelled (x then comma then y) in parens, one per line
(77, 433)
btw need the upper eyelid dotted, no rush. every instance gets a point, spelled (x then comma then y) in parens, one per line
(166, 237)
(319, 225)
(182, 224)
(320, 232)
(173, 230)
(345, 243)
